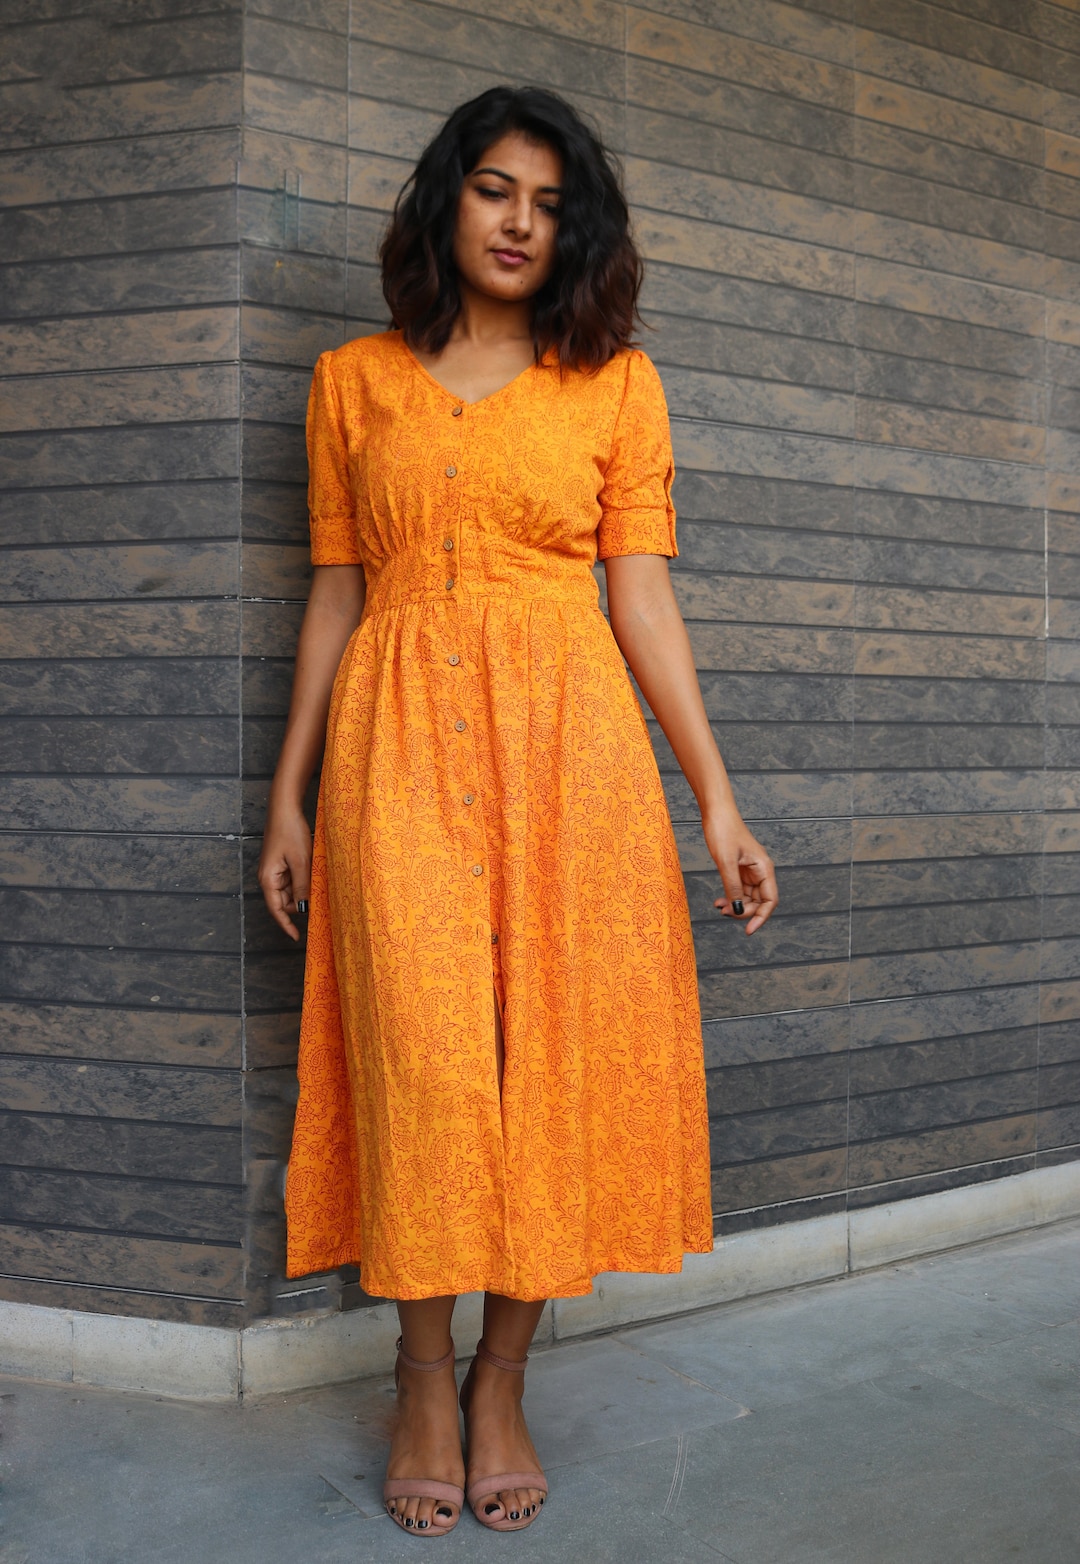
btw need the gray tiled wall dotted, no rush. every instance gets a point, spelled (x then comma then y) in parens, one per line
(862, 223)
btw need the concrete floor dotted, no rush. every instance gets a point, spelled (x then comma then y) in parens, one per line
(928, 1413)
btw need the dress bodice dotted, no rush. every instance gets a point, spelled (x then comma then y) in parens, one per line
(515, 495)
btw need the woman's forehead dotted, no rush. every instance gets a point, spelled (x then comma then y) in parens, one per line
(521, 158)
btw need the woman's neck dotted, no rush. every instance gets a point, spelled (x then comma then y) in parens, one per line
(484, 322)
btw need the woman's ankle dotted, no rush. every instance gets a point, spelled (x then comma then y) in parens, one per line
(425, 1361)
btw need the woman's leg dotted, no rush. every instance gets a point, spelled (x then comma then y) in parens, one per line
(427, 1439)
(498, 1438)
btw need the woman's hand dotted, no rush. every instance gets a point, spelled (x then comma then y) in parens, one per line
(285, 864)
(745, 868)
(335, 606)
(649, 629)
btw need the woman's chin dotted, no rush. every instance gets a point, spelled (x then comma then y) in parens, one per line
(506, 286)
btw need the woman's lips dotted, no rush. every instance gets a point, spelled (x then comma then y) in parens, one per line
(511, 257)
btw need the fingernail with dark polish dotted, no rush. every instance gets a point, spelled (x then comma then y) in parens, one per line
(737, 908)
(302, 906)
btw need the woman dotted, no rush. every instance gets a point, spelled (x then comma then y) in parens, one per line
(502, 1086)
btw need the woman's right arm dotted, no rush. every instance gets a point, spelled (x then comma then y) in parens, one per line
(334, 607)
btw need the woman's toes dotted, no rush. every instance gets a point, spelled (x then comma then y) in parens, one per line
(425, 1512)
(421, 1514)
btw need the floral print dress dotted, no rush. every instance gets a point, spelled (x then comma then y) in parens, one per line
(492, 830)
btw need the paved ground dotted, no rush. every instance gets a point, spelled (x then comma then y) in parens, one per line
(928, 1413)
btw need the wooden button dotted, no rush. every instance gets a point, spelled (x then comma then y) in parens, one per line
(460, 725)
(449, 583)
(468, 799)
(448, 544)
(453, 659)
(451, 472)
(478, 868)
(456, 413)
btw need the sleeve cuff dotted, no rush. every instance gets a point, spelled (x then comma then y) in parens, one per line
(637, 532)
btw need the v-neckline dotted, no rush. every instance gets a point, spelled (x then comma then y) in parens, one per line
(460, 400)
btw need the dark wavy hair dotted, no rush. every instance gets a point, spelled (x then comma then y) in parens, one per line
(587, 309)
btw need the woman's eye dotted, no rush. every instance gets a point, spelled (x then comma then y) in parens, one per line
(489, 193)
(552, 211)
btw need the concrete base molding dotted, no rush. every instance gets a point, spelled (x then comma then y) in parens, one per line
(272, 1356)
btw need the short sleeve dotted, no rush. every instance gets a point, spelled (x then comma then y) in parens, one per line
(331, 506)
(637, 514)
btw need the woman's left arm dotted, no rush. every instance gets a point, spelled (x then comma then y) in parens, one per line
(649, 629)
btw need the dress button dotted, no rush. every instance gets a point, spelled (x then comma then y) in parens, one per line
(448, 544)
(469, 799)
(494, 938)
(478, 868)
(453, 659)
(449, 583)
(460, 724)
(455, 412)
(451, 472)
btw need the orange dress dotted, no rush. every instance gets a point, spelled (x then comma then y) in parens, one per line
(492, 829)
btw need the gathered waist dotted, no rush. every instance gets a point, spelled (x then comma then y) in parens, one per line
(400, 582)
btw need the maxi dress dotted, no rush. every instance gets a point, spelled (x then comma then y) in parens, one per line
(492, 829)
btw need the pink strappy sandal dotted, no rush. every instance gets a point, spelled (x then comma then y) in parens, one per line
(422, 1487)
(490, 1487)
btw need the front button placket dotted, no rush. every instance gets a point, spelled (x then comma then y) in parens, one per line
(451, 500)
(465, 768)
(470, 828)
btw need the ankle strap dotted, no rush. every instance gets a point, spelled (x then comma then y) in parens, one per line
(428, 1368)
(501, 1363)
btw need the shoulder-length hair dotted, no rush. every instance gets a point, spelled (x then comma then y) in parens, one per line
(587, 309)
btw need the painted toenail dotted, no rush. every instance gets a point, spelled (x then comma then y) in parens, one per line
(420, 1525)
(489, 1509)
(444, 1511)
(514, 1515)
(408, 1522)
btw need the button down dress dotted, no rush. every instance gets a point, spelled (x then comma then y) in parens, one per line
(492, 831)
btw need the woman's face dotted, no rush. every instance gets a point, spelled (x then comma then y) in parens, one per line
(504, 242)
